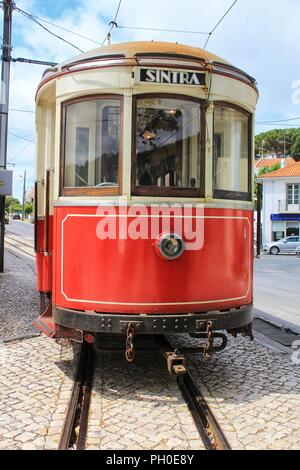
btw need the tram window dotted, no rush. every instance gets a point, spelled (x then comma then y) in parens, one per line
(231, 153)
(92, 141)
(168, 146)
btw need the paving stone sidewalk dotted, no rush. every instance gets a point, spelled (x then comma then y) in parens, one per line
(35, 382)
(19, 300)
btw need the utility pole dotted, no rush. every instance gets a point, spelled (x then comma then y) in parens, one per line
(258, 221)
(24, 195)
(5, 77)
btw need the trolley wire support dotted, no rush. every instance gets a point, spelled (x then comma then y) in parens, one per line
(78, 410)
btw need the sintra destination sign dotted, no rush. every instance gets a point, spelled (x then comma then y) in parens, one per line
(173, 77)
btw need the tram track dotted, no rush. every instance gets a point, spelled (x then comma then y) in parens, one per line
(76, 423)
(19, 245)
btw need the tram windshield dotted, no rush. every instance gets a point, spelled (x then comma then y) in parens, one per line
(92, 140)
(231, 151)
(168, 143)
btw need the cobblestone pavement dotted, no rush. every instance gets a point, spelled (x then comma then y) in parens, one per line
(36, 383)
(254, 393)
(19, 302)
(138, 406)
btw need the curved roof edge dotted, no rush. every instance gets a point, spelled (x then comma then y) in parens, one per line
(133, 52)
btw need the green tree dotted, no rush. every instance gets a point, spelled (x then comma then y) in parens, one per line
(279, 141)
(28, 208)
(268, 169)
(295, 149)
(12, 204)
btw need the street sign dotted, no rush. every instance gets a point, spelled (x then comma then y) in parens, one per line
(6, 177)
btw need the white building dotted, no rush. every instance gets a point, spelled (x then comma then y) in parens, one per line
(281, 203)
(30, 196)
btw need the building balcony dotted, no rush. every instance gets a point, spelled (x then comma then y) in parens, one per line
(285, 208)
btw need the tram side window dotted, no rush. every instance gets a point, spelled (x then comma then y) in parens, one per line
(167, 145)
(231, 153)
(92, 141)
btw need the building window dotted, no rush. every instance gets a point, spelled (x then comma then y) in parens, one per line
(278, 230)
(91, 146)
(231, 153)
(292, 229)
(293, 194)
(167, 147)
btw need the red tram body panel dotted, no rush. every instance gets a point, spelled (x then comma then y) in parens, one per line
(127, 276)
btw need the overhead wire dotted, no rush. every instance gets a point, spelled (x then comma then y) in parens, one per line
(21, 110)
(19, 137)
(43, 20)
(218, 23)
(162, 30)
(20, 151)
(278, 121)
(32, 18)
(112, 24)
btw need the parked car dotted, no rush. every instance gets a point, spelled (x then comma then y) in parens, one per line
(16, 217)
(6, 218)
(285, 245)
(298, 250)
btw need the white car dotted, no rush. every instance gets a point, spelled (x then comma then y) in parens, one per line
(285, 245)
(298, 250)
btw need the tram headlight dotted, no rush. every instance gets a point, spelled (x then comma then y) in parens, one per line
(170, 246)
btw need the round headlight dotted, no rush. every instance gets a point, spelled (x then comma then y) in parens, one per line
(171, 246)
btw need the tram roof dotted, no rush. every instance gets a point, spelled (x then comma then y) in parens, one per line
(131, 50)
(136, 52)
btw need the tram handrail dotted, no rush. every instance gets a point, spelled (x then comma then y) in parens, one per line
(47, 194)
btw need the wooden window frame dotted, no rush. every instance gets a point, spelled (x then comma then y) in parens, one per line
(90, 190)
(235, 195)
(155, 191)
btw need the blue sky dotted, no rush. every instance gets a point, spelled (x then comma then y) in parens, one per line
(262, 37)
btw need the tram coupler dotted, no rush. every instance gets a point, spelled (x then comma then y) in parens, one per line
(176, 362)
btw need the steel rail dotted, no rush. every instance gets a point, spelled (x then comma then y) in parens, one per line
(19, 241)
(209, 429)
(214, 436)
(12, 245)
(79, 401)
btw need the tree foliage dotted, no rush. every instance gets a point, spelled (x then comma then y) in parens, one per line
(269, 169)
(12, 204)
(272, 142)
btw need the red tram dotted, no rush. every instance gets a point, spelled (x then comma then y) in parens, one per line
(144, 193)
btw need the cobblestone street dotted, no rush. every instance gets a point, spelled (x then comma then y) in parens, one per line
(138, 406)
(19, 301)
(35, 383)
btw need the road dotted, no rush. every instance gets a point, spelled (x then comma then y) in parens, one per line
(20, 229)
(276, 288)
